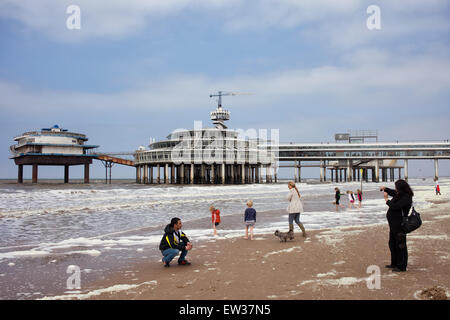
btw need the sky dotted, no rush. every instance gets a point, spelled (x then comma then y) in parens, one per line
(137, 70)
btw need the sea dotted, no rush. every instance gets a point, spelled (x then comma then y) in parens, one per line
(50, 229)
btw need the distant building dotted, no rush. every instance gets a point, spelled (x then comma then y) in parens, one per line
(52, 147)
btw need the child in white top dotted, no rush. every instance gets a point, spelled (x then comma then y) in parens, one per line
(351, 199)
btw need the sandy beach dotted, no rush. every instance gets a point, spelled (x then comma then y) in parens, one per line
(337, 263)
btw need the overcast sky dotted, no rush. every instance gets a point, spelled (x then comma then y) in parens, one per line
(139, 69)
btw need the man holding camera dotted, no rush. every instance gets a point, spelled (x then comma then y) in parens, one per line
(173, 241)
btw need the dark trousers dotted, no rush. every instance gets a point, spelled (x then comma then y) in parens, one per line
(399, 251)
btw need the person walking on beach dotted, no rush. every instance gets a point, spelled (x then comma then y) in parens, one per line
(399, 206)
(249, 219)
(295, 207)
(437, 188)
(215, 217)
(337, 197)
(351, 199)
(359, 195)
(173, 241)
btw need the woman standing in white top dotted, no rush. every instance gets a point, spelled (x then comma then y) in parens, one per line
(295, 207)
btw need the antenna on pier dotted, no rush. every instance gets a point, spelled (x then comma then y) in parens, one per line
(220, 115)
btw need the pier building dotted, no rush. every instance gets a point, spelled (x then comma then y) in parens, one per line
(52, 147)
(215, 155)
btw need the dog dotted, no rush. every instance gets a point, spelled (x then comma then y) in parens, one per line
(284, 236)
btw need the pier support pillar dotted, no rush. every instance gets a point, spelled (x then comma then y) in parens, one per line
(158, 174)
(191, 174)
(436, 169)
(150, 175)
(138, 174)
(35, 173)
(222, 173)
(321, 171)
(66, 173)
(182, 173)
(86, 173)
(145, 174)
(253, 174)
(406, 169)
(243, 173)
(295, 170)
(257, 173)
(299, 171)
(166, 173)
(392, 174)
(349, 171)
(20, 173)
(172, 174)
(377, 171)
(212, 177)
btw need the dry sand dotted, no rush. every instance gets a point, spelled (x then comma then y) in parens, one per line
(328, 264)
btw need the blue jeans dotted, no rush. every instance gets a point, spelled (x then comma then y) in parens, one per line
(294, 216)
(170, 253)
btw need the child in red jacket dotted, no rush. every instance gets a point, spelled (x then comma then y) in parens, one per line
(215, 217)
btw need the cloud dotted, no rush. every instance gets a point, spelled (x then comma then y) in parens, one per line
(337, 23)
(369, 77)
(100, 18)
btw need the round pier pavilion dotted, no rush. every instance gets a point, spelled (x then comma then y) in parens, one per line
(206, 156)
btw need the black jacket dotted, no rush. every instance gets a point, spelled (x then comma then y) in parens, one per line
(170, 241)
(399, 207)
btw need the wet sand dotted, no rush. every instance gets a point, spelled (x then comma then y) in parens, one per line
(328, 264)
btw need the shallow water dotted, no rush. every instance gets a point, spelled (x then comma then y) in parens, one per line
(104, 228)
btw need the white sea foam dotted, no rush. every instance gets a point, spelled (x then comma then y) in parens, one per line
(112, 289)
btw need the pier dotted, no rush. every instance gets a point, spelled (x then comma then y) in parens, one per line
(378, 162)
(354, 156)
(372, 162)
(219, 155)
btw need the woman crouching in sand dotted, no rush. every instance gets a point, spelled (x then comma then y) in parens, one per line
(294, 208)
